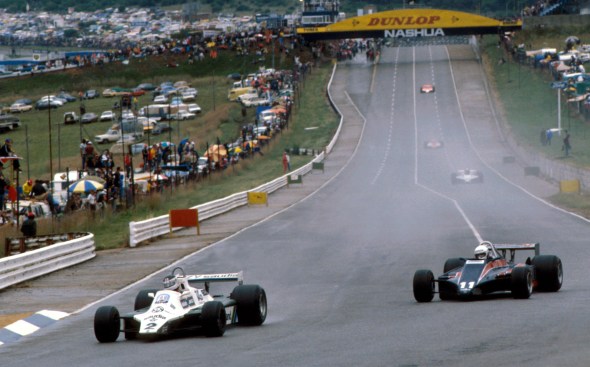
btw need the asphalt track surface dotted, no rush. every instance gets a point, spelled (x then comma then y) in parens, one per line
(338, 266)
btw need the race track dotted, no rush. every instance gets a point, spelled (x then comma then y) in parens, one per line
(338, 267)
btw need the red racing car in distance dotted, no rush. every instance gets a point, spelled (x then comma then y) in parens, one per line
(427, 88)
(495, 272)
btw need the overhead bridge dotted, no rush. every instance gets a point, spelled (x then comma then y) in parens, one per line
(410, 23)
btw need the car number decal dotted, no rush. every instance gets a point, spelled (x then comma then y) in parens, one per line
(466, 285)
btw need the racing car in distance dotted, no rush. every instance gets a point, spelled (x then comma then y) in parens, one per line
(433, 144)
(466, 176)
(182, 306)
(472, 278)
(427, 88)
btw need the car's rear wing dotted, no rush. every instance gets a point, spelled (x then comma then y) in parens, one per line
(504, 247)
(222, 277)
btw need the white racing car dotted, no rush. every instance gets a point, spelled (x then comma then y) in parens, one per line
(466, 176)
(181, 306)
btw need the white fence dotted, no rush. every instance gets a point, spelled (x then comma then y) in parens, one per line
(31, 264)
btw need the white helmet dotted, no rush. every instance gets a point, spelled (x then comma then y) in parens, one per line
(481, 251)
(171, 282)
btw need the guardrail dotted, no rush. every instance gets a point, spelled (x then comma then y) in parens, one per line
(32, 264)
(144, 230)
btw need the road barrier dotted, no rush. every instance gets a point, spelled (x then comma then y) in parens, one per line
(32, 264)
(147, 229)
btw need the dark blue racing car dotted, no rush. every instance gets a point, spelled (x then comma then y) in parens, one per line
(493, 269)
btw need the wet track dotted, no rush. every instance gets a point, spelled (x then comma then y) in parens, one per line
(338, 268)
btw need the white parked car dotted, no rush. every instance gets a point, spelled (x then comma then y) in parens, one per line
(160, 99)
(194, 108)
(20, 107)
(110, 136)
(186, 115)
(127, 114)
(107, 116)
(188, 97)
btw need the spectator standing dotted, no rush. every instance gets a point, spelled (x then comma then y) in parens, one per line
(3, 189)
(549, 135)
(29, 226)
(91, 200)
(83, 153)
(127, 164)
(286, 162)
(6, 151)
(566, 144)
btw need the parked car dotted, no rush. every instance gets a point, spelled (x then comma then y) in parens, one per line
(194, 108)
(160, 99)
(182, 115)
(89, 117)
(24, 101)
(66, 97)
(111, 136)
(107, 116)
(20, 107)
(46, 104)
(91, 94)
(161, 127)
(188, 97)
(146, 86)
(71, 118)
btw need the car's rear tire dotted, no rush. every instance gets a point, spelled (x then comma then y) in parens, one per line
(107, 324)
(548, 272)
(213, 319)
(143, 299)
(423, 285)
(251, 304)
(522, 282)
(453, 263)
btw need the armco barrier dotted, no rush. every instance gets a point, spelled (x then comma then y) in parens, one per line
(151, 228)
(19, 268)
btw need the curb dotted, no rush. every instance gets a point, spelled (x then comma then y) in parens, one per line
(29, 325)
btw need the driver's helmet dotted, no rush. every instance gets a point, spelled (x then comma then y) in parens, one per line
(171, 283)
(481, 252)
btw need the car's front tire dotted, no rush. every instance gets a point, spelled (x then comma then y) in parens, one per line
(423, 285)
(251, 304)
(522, 282)
(213, 319)
(106, 324)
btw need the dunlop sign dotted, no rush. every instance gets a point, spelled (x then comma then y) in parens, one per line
(410, 23)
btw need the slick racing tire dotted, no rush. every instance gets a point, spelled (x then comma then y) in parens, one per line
(213, 318)
(251, 304)
(522, 282)
(143, 299)
(106, 324)
(548, 272)
(453, 263)
(423, 285)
